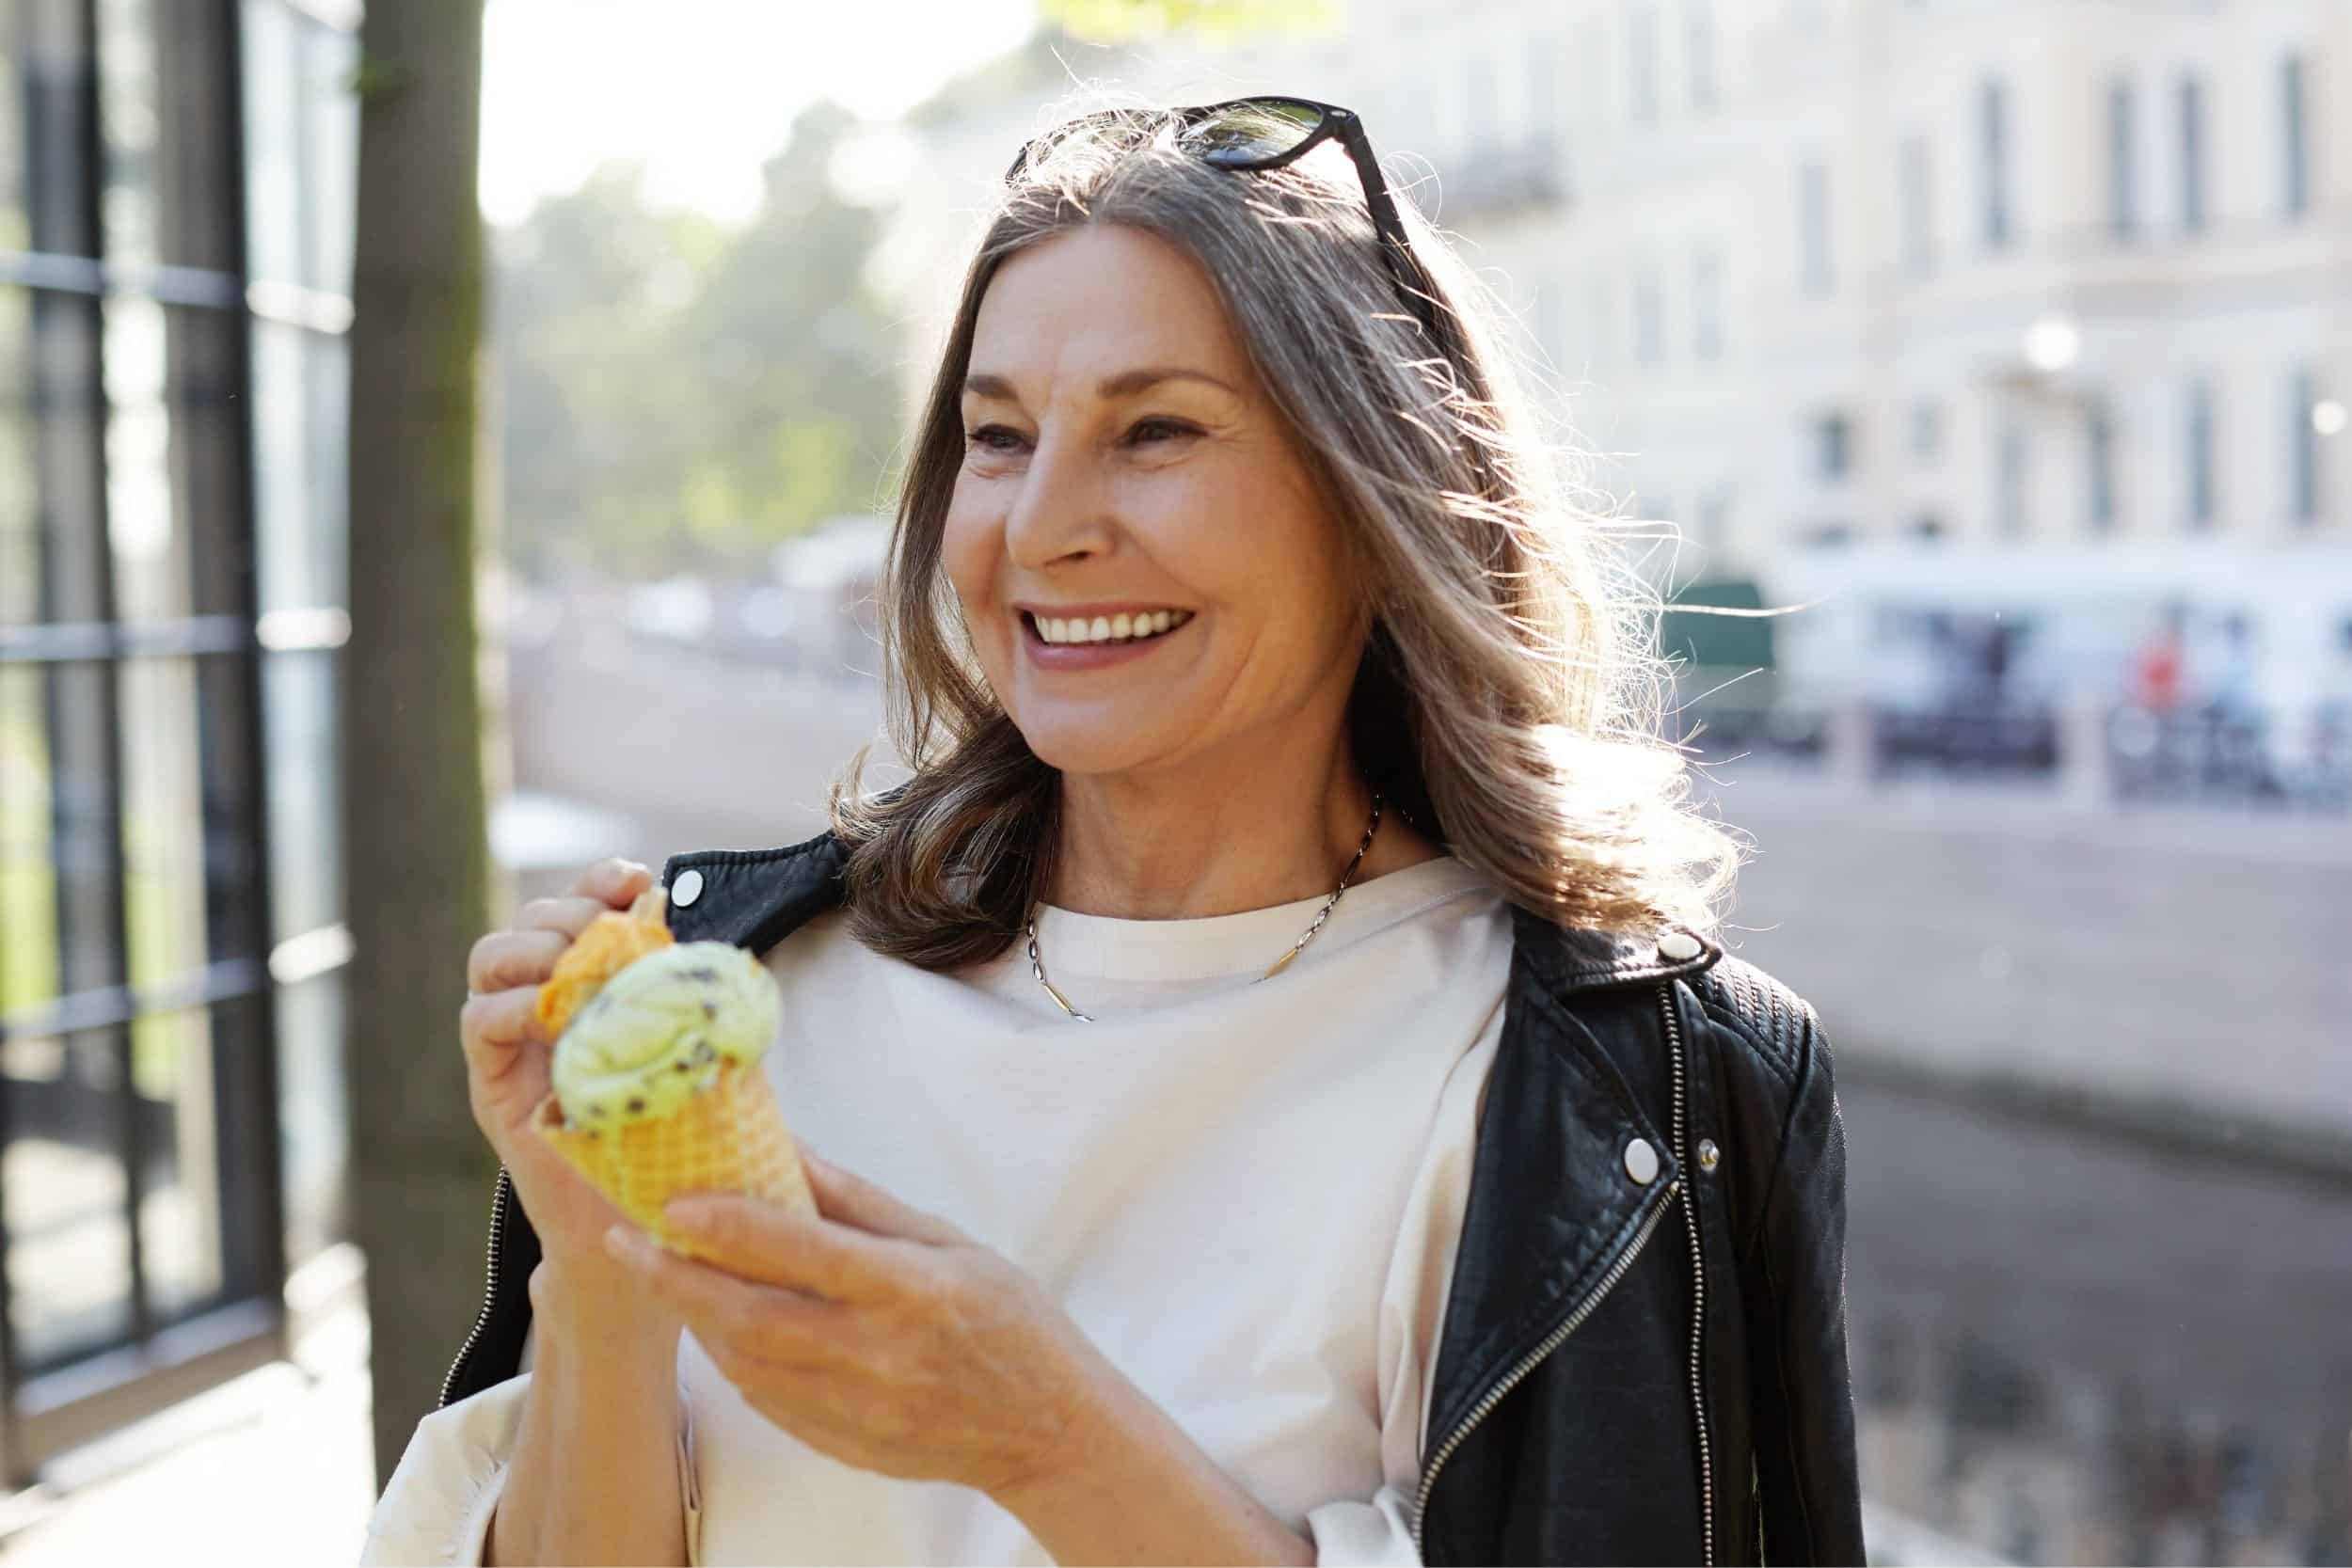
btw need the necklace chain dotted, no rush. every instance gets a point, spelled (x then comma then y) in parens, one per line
(1037, 965)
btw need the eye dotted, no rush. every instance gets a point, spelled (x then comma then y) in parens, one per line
(1156, 430)
(994, 437)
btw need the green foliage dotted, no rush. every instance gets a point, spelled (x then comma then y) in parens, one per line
(680, 393)
(1120, 21)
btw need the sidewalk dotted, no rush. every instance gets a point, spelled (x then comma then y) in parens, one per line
(270, 1467)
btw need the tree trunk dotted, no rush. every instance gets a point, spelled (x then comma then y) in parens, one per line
(418, 860)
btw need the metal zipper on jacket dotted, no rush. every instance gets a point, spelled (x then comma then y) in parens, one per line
(1699, 1276)
(489, 1287)
(1518, 1373)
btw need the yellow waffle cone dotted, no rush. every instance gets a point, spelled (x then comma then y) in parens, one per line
(729, 1138)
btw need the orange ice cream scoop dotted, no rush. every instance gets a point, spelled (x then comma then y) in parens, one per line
(611, 942)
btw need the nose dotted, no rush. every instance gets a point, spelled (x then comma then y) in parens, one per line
(1060, 511)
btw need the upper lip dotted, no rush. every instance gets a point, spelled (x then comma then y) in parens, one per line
(1105, 611)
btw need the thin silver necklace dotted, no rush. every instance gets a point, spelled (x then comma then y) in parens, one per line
(1037, 965)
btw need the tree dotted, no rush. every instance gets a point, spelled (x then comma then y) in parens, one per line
(417, 855)
(677, 392)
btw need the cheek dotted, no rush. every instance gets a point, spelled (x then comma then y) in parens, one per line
(967, 552)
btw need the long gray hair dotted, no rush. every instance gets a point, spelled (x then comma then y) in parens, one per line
(1506, 699)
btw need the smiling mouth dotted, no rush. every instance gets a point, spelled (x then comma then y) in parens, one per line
(1056, 632)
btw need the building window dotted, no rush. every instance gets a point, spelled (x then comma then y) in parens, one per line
(1641, 64)
(1706, 307)
(2303, 431)
(1699, 43)
(2199, 446)
(1993, 146)
(1649, 317)
(1481, 102)
(2099, 459)
(2123, 161)
(1833, 447)
(2192, 151)
(171, 459)
(2012, 458)
(2294, 133)
(1919, 203)
(1813, 241)
(1927, 430)
(1601, 348)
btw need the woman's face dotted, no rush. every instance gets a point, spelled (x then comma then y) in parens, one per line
(1123, 470)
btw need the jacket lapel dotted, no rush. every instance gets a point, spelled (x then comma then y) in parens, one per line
(1553, 1206)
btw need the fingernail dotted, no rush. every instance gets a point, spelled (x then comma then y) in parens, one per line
(620, 1244)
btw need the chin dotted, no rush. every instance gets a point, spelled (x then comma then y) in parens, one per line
(1073, 743)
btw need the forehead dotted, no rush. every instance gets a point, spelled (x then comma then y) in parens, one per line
(1098, 300)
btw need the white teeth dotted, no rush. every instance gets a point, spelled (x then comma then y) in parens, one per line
(1109, 629)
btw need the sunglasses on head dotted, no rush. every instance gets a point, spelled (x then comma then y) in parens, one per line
(1249, 135)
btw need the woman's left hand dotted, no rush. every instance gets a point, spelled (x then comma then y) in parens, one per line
(880, 1336)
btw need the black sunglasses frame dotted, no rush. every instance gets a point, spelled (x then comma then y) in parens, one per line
(1413, 282)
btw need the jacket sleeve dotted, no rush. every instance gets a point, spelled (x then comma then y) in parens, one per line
(1810, 1493)
(437, 1508)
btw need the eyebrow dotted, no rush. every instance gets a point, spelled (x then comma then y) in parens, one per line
(1125, 384)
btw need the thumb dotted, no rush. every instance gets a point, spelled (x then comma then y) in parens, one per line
(852, 1200)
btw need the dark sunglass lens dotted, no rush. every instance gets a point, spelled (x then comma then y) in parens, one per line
(1253, 133)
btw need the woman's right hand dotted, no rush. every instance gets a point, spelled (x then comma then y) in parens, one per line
(508, 1056)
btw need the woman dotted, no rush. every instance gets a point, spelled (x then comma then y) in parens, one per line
(1297, 1110)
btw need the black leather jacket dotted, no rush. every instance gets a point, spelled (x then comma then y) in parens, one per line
(1623, 1376)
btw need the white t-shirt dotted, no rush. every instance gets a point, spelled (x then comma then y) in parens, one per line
(1247, 1196)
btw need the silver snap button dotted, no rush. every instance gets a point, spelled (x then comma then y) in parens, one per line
(688, 888)
(1640, 1162)
(1708, 1154)
(1678, 947)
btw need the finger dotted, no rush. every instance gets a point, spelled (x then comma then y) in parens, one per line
(851, 1200)
(505, 959)
(492, 1027)
(733, 1317)
(775, 1245)
(568, 915)
(615, 883)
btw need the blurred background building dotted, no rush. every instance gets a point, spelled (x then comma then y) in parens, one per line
(2011, 340)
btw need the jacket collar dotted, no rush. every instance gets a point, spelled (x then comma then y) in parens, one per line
(754, 898)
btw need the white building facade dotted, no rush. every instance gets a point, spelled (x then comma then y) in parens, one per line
(1809, 272)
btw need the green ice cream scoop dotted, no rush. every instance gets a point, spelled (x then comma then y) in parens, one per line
(657, 1032)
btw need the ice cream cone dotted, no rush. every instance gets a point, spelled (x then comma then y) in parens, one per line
(728, 1137)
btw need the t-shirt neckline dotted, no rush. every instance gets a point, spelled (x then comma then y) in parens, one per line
(1112, 947)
